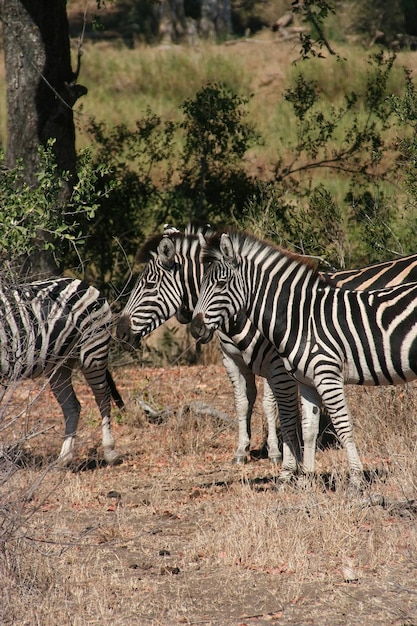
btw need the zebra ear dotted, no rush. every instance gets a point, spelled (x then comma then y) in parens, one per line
(226, 248)
(169, 230)
(166, 252)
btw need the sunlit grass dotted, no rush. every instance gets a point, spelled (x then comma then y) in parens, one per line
(124, 83)
(156, 79)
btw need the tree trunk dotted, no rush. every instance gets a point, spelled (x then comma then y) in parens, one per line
(172, 24)
(216, 18)
(41, 91)
(179, 21)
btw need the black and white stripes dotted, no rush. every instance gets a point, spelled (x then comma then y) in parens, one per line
(46, 328)
(326, 336)
(170, 284)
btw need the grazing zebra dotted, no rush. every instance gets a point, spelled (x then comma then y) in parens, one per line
(46, 328)
(170, 284)
(327, 336)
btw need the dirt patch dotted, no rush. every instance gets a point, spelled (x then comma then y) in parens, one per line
(178, 535)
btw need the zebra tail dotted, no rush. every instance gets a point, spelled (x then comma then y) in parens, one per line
(114, 391)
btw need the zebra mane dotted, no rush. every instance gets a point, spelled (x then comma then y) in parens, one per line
(245, 244)
(150, 248)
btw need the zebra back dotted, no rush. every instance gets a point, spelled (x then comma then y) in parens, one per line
(46, 321)
(378, 275)
(367, 337)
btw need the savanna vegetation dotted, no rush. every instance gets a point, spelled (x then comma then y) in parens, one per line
(310, 143)
(176, 534)
(313, 147)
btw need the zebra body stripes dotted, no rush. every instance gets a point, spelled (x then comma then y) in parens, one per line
(171, 281)
(169, 285)
(326, 336)
(46, 328)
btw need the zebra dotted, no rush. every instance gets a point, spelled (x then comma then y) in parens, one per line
(47, 327)
(327, 336)
(170, 284)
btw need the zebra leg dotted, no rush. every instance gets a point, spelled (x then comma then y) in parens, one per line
(97, 379)
(271, 413)
(310, 421)
(61, 385)
(244, 389)
(285, 391)
(334, 400)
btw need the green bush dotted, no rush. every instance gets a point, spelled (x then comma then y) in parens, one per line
(33, 217)
(166, 172)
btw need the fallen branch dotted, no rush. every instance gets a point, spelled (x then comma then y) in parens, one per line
(155, 416)
(204, 410)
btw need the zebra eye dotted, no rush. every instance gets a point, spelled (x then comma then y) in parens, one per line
(222, 283)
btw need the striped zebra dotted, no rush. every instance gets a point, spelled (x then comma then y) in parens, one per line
(170, 284)
(46, 328)
(326, 336)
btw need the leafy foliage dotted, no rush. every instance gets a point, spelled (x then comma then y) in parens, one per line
(213, 182)
(165, 172)
(314, 12)
(404, 107)
(26, 210)
(349, 140)
(195, 170)
(137, 164)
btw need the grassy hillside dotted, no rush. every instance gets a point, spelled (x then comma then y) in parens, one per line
(123, 83)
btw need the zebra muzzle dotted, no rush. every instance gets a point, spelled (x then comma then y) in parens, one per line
(199, 330)
(129, 340)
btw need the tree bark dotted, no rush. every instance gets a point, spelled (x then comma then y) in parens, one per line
(172, 24)
(216, 18)
(208, 18)
(41, 91)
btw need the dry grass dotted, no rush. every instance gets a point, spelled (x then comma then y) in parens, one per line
(176, 534)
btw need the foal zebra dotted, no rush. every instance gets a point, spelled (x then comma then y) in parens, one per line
(45, 328)
(326, 336)
(170, 284)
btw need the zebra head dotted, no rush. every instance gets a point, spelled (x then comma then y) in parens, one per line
(222, 292)
(155, 297)
(168, 286)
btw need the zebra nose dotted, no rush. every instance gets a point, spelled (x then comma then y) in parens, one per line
(197, 326)
(199, 330)
(124, 332)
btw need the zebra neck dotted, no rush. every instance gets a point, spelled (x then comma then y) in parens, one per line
(284, 290)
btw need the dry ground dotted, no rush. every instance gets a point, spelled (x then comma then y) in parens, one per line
(178, 535)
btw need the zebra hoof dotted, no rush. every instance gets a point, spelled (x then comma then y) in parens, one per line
(112, 457)
(354, 490)
(286, 477)
(64, 460)
(305, 481)
(275, 459)
(66, 455)
(240, 460)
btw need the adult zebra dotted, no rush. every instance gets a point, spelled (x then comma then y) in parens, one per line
(170, 283)
(47, 327)
(326, 336)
